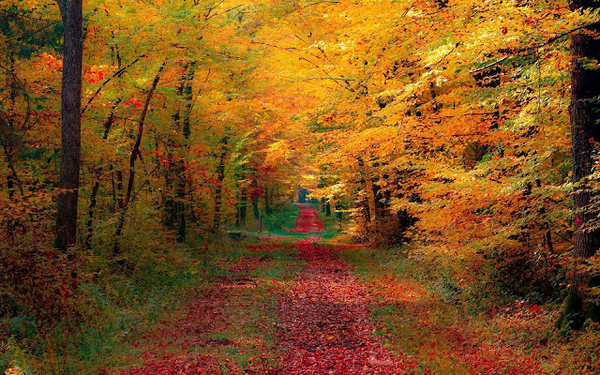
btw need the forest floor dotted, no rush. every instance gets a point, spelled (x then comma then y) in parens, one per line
(294, 305)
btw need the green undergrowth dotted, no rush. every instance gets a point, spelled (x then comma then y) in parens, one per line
(280, 223)
(250, 312)
(119, 300)
(421, 314)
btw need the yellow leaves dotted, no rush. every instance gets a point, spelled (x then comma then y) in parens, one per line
(278, 152)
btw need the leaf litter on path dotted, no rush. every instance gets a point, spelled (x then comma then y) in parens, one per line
(324, 320)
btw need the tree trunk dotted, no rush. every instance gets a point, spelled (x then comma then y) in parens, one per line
(267, 205)
(111, 119)
(175, 204)
(243, 205)
(367, 182)
(584, 130)
(66, 216)
(219, 189)
(90, 221)
(134, 155)
(255, 199)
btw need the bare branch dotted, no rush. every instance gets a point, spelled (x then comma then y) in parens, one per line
(115, 74)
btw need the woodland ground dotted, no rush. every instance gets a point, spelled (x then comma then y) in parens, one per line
(300, 305)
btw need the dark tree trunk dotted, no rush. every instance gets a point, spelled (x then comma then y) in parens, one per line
(371, 206)
(135, 152)
(267, 205)
(584, 115)
(219, 188)
(188, 97)
(10, 184)
(119, 190)
(255, 199)
(90, 221)
(327, 208)
(175, 204)
(243, 205)
(238, 203)
(111, 119)
(66, 216)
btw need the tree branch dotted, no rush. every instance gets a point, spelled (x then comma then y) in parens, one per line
(118, 73)
(536, 46)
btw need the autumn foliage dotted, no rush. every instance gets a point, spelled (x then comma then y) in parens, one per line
(436, 129)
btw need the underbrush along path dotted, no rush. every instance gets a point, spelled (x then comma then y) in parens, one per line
(276, 309)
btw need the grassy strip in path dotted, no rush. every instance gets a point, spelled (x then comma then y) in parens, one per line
(253, 286)
(228, 325)
(413, 318)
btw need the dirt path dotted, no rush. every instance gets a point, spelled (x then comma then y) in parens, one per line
(324, 325)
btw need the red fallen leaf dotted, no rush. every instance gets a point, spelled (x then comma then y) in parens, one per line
(535, 308)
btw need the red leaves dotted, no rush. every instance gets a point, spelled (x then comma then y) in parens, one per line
(308, 220)
(324, 320)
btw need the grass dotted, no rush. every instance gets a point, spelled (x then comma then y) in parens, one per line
(250, 322)
(420, 316)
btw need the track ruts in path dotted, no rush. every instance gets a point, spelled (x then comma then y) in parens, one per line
(324, 324)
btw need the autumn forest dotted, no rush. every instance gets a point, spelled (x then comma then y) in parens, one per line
(299, 187)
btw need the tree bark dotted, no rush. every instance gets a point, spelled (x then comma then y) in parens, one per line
(219, 188)
(367, 181)
(267, 205)
(243, 205)
(134, 155)
(255, 199)
(585, 132)
(90, 221)
(66, 217)
(175, 204)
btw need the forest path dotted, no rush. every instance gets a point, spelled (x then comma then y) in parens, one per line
(280, 308)
(324, 320)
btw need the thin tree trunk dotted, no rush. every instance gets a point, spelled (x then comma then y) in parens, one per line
(219, 188)
(267, 205)
(367, 182)
(111, 119)
(134, 155)
(11, 166)
(90, 221)
(255, 199)
(243, 205)
(66, 217)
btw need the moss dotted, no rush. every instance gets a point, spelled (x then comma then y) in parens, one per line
(572, 315)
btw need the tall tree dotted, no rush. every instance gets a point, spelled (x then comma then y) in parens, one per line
(584, 114)
(66, 218)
